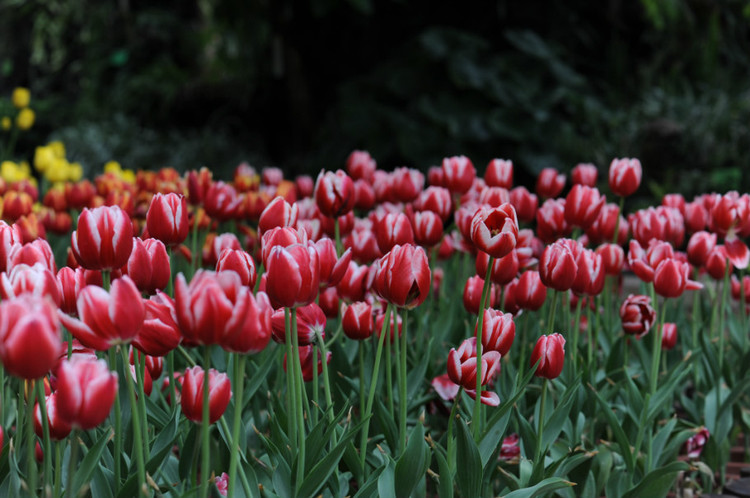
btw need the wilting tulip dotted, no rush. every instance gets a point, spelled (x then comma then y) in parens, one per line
(278, 213)
(361, 165)
(86, 391)
(584, 174)
(669, 336)
(530, 293)
(637, 315)
(549, 183)
(241, 263)
(334, 193)
(30, 336)
(212, 309)
(558, 267)
(550, 352)
(107, 318)
(104, 238)
(550, 221)
(498, 331)
(499, 173)
(625, 176)
(148, 265)
(358, 321)
(694, 445)
(159, 334)
(525, 203)
(403, 276)
(583, 205)
(293, 275)
(167, 219)
(672, 278)
(458, 174)
(495, 230)
(59, 428)
(310, 319)
(219, 393)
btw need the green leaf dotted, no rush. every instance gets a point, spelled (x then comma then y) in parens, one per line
(410, 467)
(371, 486)
(445, 484)
(386, 483)
(658, 481)
(386, 423)
(545, 486)
(468, 462)
(553, 426)
(90, 461)
(614, 424)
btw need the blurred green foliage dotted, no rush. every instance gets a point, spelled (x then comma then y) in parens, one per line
(301, 84)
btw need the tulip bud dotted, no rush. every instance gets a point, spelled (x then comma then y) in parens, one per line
(241, 263)
(624, 176)
(584, 174)
(435, 199)
(278, 213)
(583, 205)
(498, 331)
(669, 336)
(148, 265)
(613, 258)
(334, 193)
(332, 268)
(672, 278)
(393, 229)
(550, 352)
(530, 293)
(428, 228)
(473, 294)
(590, 275)
(403, 276)
(550, 221)
(407, 184)
(360, 165)
(221, 201)
(167, 219)
(458, 174)
(293, 275)
(59, 428)
(159, 334)
(358, 321)
(525, 203)
(549, 183)
(499, 173)
(219, 393)
(558, 267)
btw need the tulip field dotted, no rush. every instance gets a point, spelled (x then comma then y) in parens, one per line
(368, 332)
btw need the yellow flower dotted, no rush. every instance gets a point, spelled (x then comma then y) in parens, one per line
(25, 118)
(44, 155)
(58, 171)
(113, 167)
(75, 172)
(6, 123)
(12, 172)
(58, 148)
(128, 175)
(21, 97)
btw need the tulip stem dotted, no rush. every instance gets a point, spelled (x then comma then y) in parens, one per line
(451, 421)
(206, 448)
(576, 332)
(72, 463)
(550, 325)
(388, 363)
(371, 392)
(617, 222)
(656, 349)
(521, 329)
(58, 469)
(170, 292)
(402, 398)
(743, 311)
(540, 426)
(327, 382)
(118, 424)
(291, 398)
(140, 371)
(194, 243)
(137, 434)
(170, 372)
(239, 381)
(299, 386)
(46, 437)
(362, 399)
(31, 469)
(593, 336)
(337, 235)
(722, 309)
(315, 389)
(476, 419)
(106, 280)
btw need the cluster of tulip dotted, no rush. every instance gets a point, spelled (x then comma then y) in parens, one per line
(175, 274)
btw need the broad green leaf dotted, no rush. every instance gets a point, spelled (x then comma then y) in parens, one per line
(622, 440)
(445, 484)
(386, 481)
(410, 467)
(545, 486)
(658, 481)
(468, 462)
(89, 463)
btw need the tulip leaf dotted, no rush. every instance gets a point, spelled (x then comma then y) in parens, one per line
(386, 423)
(90, 461)
(412, 465)
(660, 439)
(468, 462)
(554, 424)
(101, 483)
(673, 447)
(540, 489)
(188, 450)
(259, 377)
(370, 487)
(614, 424)
(445, 483)
(664, 394)
(386, 481)
(658, 481)
(416, 376)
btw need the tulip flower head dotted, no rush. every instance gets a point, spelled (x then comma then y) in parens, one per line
(191, 399)
(550, 352)
(495, 230)
(103, 239)
(86, 391)
(637, 315)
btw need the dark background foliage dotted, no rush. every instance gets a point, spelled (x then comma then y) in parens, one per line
(301, 84)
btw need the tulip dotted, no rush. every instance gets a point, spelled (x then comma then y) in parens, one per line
(293, 275)
(363, 243)
(360, 165)
(407, 184)
(498, 331)
(357, 322)
(504, 269)
(59, 428)
(676, 201)
(549, 183)
(644, 263)
(310, 319)
(525, 203)
(603, 228)
(637, 315)
(86, 390)
(154, 365)
(435, 199)
(16, 204)
(737, 252)
(24, 279)
(590, 275)
(191, 399)
(672, 278)
(495, 230)
(509, 448)
(271, 175)
(737, 288)
(332, 268)
(427, 227)
(37, 251)
(550, 221)
(730, 215)
(306, 362)
(364, 195)
(79, 195)
(530, 293)
(104, 238)
(353, 284)
(403, 276)
(583, 205)
(107, 318)
(278, 213)
(716, 262)
(473, 294)
(668, 336)
(221, 201)
(584, 174)
(613, 258)
(167, 219)
(329, 302)
(30, 336)
(550, 352)
(148, 265)
(435, 176)
(445, 387)
(458, 174)
(334, 193)
(662, 223)
(499, 173)
(558, 267)
(694, 445)
(241, 263)
(212, 309)
(10, 236)
(159, 334)
(393, 330)
(393, 229)
(279, 236)
(624, 176)
(462, 365)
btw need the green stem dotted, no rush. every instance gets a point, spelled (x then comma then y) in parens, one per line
(327, 381)
(617, 223)
(239, 380)
(140, 369)
(205, 426)
(170, 372)
(656, 350)
(451, 420)
(337, 234)
(58, 469)
(576, 332)
(117, 455)
(696, 320)
(291, 399)
(722, 309)
(137, 434)
(550, 325)
(593, 332)
(389, 365)
(315, 388)
(521, 331)
(362, 399)
(106, 280)
(170, 292)
(72, 463)
(46, 437)
(402, 399)
(299, 387)
(476, 419)
(31, 470)
(194, 244)
(540, 426)
(371, 392)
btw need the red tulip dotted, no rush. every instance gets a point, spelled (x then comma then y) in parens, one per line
(644, 263)
(305, 186)
(360, 165)
(353, 284)
(79, 195)
(637, 315)
(306, 362)
(717, 261)
(590, 275)
(104, 238)
(662, 223)
(280, 236)
(676, 201)
(504, 269)
(624, 176)
(241, 263)
(737, 288)
(24, 279)
(332, 268)
(219, 393)
(525, 203)
(364, 195)
(278, 213)
(462, 365)
(272, 175)
(584, 174)
(473, 294)
(159, 334)
(167, 219)
(212, 309)
(530, 293)
(37, 251)
(445, 387)
(550, 352)
(499, 173)
(407, 183)
(669, 336)
(392, 329)
(549, 183)
(30, 336)
(458, 174)
(86, 391)
(16, 204)
(363, 243)
(215, 245)
(293, 275)
(328, 300)
(603, 228)
(737, 252)
(107, 318)
(498, 331)
(357, 322)
(435, 199)
(696, 216)
(509, 448)
(613, 258)
(550, 221)
(672, 278)
(393, 229)
(221, 201)
(694, 445)
(10, 236)
(403, 276)
(334, 193)
(59, 428)
(730, 215)
(148, 265)
(558, 267)
(310, 319)
(428, 228)
(583, 205)
(154, 365)
(493, 196)
(495, 230)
